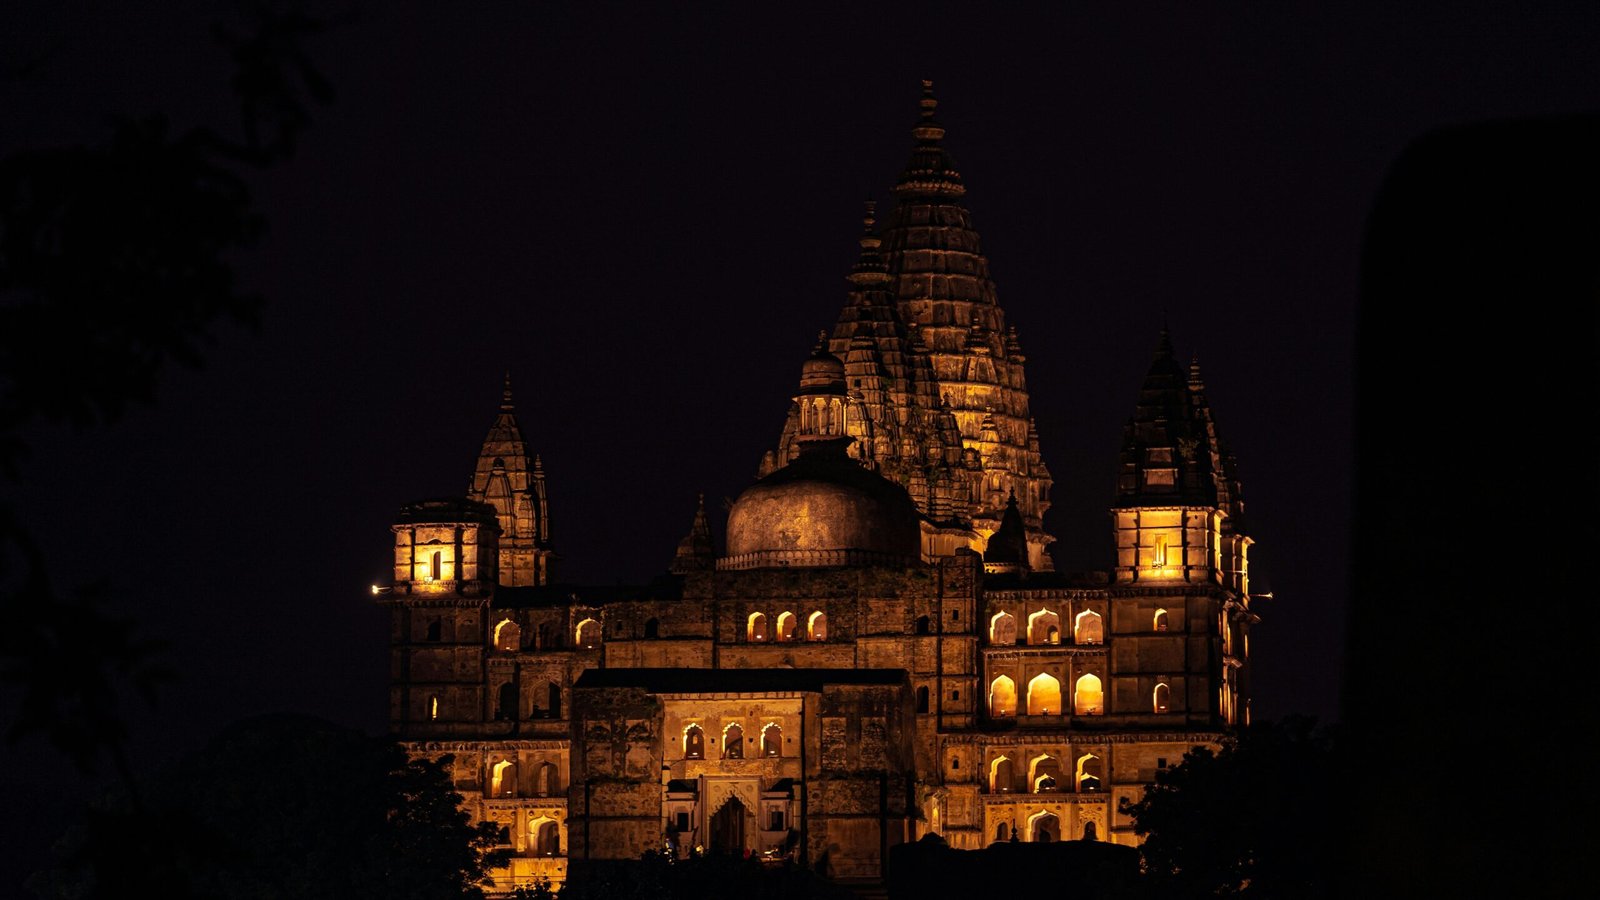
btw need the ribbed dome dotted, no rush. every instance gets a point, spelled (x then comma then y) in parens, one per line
(822, 373)
(823, 509)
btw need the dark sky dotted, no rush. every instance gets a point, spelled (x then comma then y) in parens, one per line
(646, 214)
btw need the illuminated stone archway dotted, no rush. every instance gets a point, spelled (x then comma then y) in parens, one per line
(1090, 773)
(1044, 696)
(588, 634)
(788, 627)
(1161, 698)
(1160, 621)
(1044, 827)
(1088, 699)
(1044, 774)
(1044, 627)
(1003, 630)
(1002, 697)
(694, 742)
(817, 626)
(1087, 628)
(756, 627)
(1002, 775)
(507, 635)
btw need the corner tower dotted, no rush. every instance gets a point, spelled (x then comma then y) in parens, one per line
(506, 479)
(943, 292)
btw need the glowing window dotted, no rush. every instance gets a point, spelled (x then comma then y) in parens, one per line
(1161, 620)
(1088, 628)
(503, 779)
(1044, 627)
(788, 626)
(1089, 772)
(1044, 696)
(437, 566)
(1002, 697)
(507, 635)
(817, 626)
(756, 627)
(588, 634)
(433, 707)
(733, 742)
(1003, 630)
(1087, 697)
(1158, 552)
(1002, 776)
(1162, 697)
(1044, 827)
(547, 837)
(772, 740)
(694, 743)
(1044, 771)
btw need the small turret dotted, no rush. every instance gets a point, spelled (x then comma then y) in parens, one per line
(505, 478)
(696, 552)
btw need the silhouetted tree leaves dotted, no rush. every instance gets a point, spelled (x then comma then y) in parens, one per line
(1256, 819)
(284, 806)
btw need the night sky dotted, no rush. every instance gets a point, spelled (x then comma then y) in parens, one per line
(646, 215)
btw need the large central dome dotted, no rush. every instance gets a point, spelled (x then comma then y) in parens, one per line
(823, 509)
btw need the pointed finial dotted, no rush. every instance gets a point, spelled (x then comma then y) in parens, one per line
(1164, 344)
(822, 341)
(928, 103)
(928, 130)
(538, 463)
(870, 267)
(505, 394)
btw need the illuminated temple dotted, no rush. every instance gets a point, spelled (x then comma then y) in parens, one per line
(882, 649)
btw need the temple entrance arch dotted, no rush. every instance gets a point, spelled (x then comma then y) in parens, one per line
(727, 828)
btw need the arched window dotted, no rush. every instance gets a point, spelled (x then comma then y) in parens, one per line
(588, 634)
(1163, 695)
(546, 836)
(772, 740)
(436, 566)
(1002, 776)
(652, 628)
(1160, 623)
(433, 707)
(1089, 772)
(923, 625)
(503, 779)
(553, 692)
(545, 784)
(1044, 771)
(507, 635)
(922, 699)
(788, 626)
(1001, 832)
(545, 637)
(1003, 630)
(1044, 827)
(756, 627)
(817, 626)
(1088, 628)
(1088, 831)
(1044, 627)
(506, 708)
(733, 742)
(1087, 698)
(1002, 697)
(435, 629)
(1044, 696)
(694, 743)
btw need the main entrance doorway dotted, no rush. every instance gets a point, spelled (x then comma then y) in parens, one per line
(727, 828)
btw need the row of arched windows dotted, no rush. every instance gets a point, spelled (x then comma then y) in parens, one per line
(1043, 827)
(1044, 775)
(507, 702)
(1044, 697)
(788, 627)
(733, 741)
(503, 779)
(1044, 627)
(508, 634)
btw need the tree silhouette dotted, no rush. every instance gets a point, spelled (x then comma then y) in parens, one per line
(1256, 819)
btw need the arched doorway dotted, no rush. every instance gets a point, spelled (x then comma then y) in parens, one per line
(727, 828)
(1044, 828)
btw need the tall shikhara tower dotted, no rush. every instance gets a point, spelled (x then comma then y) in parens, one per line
(938, 401)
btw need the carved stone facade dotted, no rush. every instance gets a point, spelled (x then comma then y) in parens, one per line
(881, 651)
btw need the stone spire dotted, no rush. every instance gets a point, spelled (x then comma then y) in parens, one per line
(508, 480)
(942, 289)
(696, 552)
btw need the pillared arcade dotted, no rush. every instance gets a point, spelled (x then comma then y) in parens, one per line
(881, 650)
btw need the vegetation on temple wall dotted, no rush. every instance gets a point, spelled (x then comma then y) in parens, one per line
(283, 806)
(1258, 818)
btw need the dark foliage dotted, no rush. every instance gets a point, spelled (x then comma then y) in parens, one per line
(657, 877)
(1259, 818)
(283, 806)
(116, 261)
